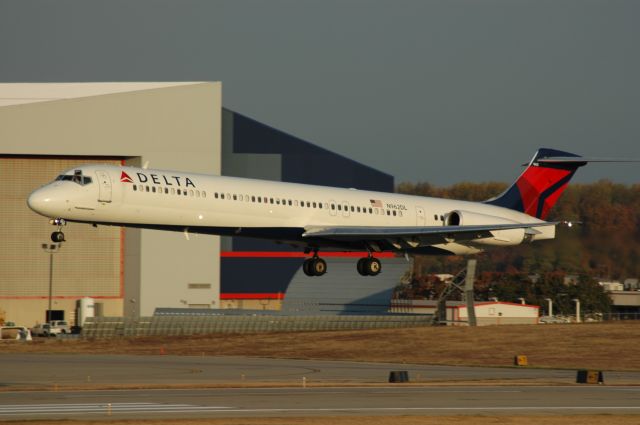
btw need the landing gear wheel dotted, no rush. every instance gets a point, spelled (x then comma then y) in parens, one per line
(373, 266)
(369, 266)
(361, 268)
(57, 237)
(318, 266)
(314, 266)
(306, 267)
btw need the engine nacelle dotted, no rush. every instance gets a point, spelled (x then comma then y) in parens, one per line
(499, 238)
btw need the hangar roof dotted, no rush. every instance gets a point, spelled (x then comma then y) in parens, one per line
(22, 93)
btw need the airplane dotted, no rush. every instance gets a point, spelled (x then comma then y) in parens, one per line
(313, 218)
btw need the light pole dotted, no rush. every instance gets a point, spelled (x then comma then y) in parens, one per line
(550, 301)
(51, 248)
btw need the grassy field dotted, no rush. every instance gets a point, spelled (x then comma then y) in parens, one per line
(605, 346)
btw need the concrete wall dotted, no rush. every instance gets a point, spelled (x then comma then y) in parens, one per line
(174, 126)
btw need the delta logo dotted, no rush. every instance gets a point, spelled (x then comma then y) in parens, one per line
(158, 179)
(124, 178)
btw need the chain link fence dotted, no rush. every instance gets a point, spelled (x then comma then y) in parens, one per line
(109, 327)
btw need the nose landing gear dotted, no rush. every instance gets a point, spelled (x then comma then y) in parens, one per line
(58, 236)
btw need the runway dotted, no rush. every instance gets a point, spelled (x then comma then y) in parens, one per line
(46, 371)
(72, 386)
(320, 401)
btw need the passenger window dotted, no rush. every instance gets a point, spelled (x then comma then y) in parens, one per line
(184, 192)
(271, 200)
(229, 196)
(190, 192)
(394, 213)
(253, 199)
(240, 198)
(388, 212)
(259, 199)
(441, 218)
(314, 205)
(326, 206)
(153, 189)
(370, 212)
(204, 194)
(339, 207)
(197, 193)
(179, 192)
(235, 197)
(400, 213)
(353, 209)
(215, 195)
(333, 206)
(246, 198)
(173, 191)
(358, 209)
(308, 204)
(435, 217)
(376, 211)
(290, 203)
(277, 201)
(222, 196)
(166, 191)
(320, 205)
(302, 204)
(295, 203)
(146, 188)
(135, 188)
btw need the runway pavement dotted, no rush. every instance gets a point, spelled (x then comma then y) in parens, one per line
(251, 402)
(41, 370)
(37, 386)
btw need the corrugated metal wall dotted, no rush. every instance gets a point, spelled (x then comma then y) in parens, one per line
(88, 265)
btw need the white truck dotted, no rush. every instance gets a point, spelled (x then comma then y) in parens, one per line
(53, 328)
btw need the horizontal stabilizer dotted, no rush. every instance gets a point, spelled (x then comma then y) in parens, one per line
(580, 159)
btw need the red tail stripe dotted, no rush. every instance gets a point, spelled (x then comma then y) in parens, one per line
(534, 182)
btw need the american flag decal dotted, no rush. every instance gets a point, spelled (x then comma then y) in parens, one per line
(376, 203)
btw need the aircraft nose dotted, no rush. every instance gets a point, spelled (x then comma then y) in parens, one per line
(40, 200)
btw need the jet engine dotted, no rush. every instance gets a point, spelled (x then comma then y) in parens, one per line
(499, 238)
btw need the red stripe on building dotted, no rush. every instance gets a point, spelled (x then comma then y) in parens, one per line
(252, 296)
(295, 254)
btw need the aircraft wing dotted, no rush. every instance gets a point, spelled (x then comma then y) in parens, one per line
(415, 236)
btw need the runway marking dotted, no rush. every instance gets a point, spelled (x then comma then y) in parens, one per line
(113, 408)
(146, 408)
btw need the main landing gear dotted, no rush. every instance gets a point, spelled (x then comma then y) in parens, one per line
(58, 236)
(369, 266)
(316, 266)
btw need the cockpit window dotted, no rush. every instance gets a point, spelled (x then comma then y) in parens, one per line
(76, 177)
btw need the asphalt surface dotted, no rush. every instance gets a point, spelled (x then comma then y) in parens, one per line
(251, 402)
(36, 387)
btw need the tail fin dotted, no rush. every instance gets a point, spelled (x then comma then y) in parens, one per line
(538, 188)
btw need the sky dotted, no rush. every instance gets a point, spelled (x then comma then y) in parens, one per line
(439, 91)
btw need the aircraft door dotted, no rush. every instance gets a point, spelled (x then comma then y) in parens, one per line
(420, 219)
(104, 182)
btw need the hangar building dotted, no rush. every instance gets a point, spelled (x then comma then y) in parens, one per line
(49, 127)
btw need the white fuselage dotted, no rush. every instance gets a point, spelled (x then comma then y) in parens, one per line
(161, 199)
